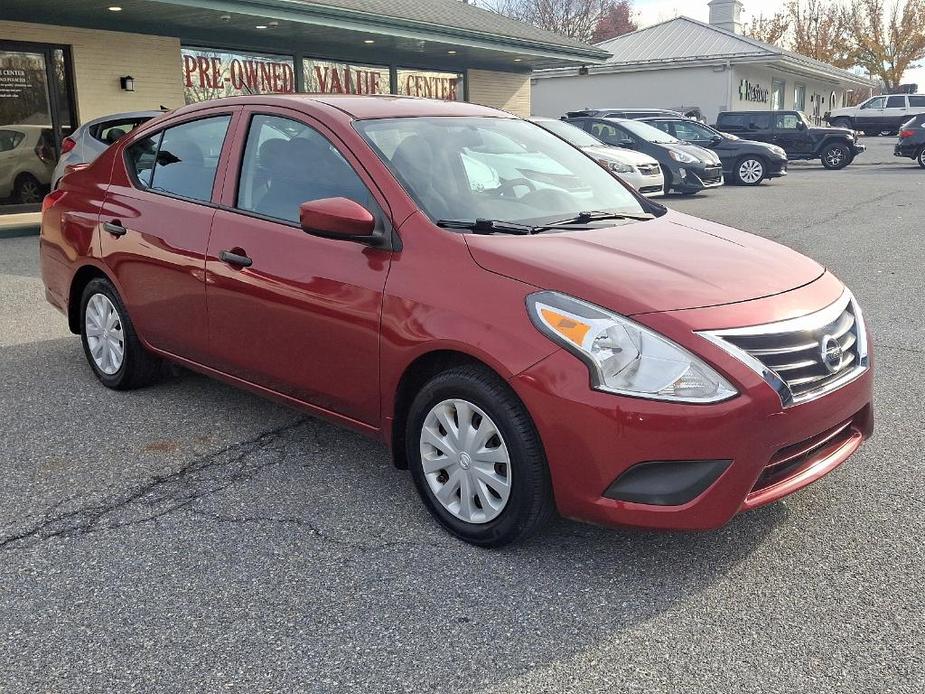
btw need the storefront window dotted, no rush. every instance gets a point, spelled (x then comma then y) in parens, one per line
(210, 74)
(35, 114)
(327, 77)
(777, 95)
(448, 86)
(799, 98)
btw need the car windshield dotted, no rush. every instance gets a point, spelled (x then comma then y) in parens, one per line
(570, 133)
(471, 168)
(649, 133)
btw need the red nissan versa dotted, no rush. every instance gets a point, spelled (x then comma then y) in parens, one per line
(526, 332)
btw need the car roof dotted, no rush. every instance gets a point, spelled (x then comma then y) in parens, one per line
(359, 107)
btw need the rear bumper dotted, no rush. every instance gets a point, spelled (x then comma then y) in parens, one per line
(909, 151)
(592, 438)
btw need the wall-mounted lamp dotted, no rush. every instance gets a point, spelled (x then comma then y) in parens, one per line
(127, 83)
(583, 70)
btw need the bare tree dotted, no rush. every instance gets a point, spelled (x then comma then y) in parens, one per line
(575, 18)
(887, 42)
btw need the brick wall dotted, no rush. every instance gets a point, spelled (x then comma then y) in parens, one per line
(101, 57)
(505, 90)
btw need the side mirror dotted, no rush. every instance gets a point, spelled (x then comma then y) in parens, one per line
(337, 218)
(715, 140)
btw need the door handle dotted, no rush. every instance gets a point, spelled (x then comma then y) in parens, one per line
(235, 259)
(115, 228)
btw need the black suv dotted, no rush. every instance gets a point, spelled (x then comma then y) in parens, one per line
(789, 130)
(745, 162)
(911, 142)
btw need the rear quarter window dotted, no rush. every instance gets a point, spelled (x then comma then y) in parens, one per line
(917, 101)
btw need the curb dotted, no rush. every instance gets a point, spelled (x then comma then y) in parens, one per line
(12, 232)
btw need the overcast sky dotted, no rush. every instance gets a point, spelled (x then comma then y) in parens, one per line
(653, 11)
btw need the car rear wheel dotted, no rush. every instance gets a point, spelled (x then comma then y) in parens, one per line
(476, 458)
(110, 344)
(27, 189)
(749, 171)
(921, 158)
(836, 156)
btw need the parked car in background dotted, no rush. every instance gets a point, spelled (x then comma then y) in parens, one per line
(879, 114)
(622, 113)
(27, 158)
(93, 137)
(688, 169)
(639, 170)
(745, 162)
(792, 132)
(911, 142)
(520, 351)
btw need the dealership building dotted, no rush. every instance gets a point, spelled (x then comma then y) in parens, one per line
(64, 62)
(686, 64)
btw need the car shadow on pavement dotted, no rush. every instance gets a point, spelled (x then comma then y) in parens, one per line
(216, 504)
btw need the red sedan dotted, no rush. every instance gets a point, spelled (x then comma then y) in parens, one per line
(523, 330)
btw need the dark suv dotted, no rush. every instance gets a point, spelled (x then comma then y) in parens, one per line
(789, 130)
(911, 142)
(632, 113)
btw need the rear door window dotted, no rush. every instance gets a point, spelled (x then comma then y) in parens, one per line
(760, 121)
(896, 102)
(786, 121)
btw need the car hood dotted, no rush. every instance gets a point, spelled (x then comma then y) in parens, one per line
(673, 262)
(625, 156)
(822, 130)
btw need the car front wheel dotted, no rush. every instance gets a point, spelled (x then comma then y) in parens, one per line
(110, 344)
(476, 458)
(749, 171)
(836, 156)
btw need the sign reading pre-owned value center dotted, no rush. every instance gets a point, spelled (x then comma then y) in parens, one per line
(210, 74)
(753, 92)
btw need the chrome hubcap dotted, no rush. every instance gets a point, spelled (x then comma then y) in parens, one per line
(835, 156)
(465, 460)
(105, 336)
(751, 171)
(29, 192)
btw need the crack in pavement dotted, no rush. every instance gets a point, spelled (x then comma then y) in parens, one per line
(199, 478)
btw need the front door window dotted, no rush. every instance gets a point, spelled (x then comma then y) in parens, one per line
(35, 115)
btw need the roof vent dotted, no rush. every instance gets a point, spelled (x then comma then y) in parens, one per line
(726, 14)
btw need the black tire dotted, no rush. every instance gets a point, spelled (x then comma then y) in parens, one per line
(842, 123)
(27, 189)
(921, 158)
(836, 156)
(530, 502)
(752, 176)
(139, 368)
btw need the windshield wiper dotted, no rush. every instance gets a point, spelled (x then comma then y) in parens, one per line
(486, 226)
(588, 217)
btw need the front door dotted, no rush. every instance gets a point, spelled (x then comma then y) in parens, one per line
(35, 115)
(789, 135)
(155, 224)
(870, 115)
(296, 313)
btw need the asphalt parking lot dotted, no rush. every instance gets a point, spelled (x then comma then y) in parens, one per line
(191, 537)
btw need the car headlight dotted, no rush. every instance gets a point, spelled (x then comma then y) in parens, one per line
(623, 356)
(682, 157)
(616, 166)
(780, 151)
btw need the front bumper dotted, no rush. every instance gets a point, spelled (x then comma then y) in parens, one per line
(696, 178)
(777, 168)
(649, 186)
(857, 148)
(592, 438)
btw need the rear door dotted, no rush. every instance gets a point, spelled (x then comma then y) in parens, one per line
(759, 127)
(916, 104)
(300, 315)
(155, 224)
(896, 113)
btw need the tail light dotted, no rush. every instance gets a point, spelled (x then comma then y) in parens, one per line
(44, 152)
(67, 144)
(903, 134)
(51, 199)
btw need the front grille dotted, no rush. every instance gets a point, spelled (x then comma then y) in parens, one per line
(650, 189)
(649, 169)
(805, 357)
(712, 175)
(792, 460)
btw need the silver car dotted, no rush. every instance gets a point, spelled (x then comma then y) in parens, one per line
(639, 170)
(92, 138)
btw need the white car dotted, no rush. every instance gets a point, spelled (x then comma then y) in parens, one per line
(879, 114)
(27, 158)
(92, 138)
(639, 170)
